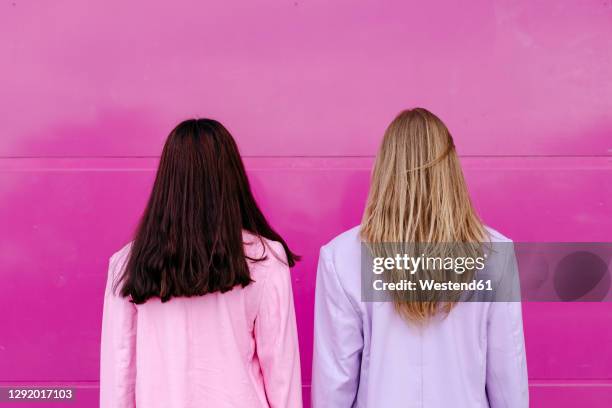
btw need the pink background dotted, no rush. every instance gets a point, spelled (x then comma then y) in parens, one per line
(90, 89)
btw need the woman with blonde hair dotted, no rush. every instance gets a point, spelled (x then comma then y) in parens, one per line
(421, 348)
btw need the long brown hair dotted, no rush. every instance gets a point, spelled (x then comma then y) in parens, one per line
(190, 239)
(418, 196)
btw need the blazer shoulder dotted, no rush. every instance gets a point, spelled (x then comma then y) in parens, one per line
(343, 244)
(496, 236)
(119, 259)
(122, 254)
(261, 247)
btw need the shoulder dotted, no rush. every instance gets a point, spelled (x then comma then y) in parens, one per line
(501, 247)
(344, 245)
(500, 255)
(340, 263)
(258, 247)
(121, 254)
(116, 266)
(118, 260)
(496, 236)
(268, 262)
(270, 273)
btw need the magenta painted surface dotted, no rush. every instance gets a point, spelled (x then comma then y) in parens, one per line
(90, 89)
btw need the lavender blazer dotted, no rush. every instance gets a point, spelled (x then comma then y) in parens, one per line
(366, 356)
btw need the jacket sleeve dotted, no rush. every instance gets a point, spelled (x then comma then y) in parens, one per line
(338, 341)
(277, 341)
(118, 346)
(507, 385)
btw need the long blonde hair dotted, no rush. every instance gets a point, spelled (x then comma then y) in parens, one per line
(418, 195)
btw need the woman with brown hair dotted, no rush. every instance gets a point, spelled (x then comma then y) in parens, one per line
(198, 309)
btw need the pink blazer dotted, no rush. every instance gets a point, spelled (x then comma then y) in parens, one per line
(237, 349)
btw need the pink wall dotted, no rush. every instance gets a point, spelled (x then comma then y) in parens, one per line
(90, 89)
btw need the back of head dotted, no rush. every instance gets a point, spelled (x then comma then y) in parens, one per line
(418, 195)
(189, 241)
